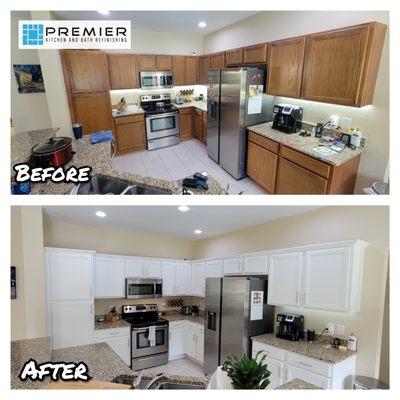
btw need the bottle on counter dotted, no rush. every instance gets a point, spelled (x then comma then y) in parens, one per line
(352, 343)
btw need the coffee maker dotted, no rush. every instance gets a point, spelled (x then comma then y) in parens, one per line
(290, 326)
(287, 118)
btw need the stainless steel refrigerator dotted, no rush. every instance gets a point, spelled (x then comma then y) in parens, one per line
(236, 309)
(235, 101)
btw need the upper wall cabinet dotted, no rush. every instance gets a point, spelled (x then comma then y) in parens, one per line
(285, 67)
(217, 60)
(178, 70)
(124, 71)
(341, 66)
(109, 276)
(164, 63)
(233, 57)
(204, 66)
(191, 70)
(86, 70)
(255, 54)
(147, 62)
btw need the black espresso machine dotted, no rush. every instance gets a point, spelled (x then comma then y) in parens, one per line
(287, 118)
(290, 326)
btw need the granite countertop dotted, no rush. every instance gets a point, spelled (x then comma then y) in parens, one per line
(298, 384)
(38, 349)
(97, 156)
(315, 350)
(198, 319)
(200, 104)
(131, 109)
(303, 144)
(110, 325)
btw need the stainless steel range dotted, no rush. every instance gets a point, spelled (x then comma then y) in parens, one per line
(162, 120)
(145, 352)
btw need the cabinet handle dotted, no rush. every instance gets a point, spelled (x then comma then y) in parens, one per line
(304, 297)
(305, 364)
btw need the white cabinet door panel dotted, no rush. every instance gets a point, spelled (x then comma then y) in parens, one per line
(284, 283)
(133, 268)
(190, 342)
(153, 269)
(109, 277)
(122, 347)
(168, 277)
(255, 265)
(214, 269)
(233, 266)
(198, 279)
(292, 372)
(200, 346)
(176, 342)
(182, 278)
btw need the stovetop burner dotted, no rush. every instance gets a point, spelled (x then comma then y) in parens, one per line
(152, 110)
(136, 324)
(142, 315)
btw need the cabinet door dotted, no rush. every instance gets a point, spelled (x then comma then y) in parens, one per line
(284, 279)
(204, 66)
(71, 275)
(192, 70)
(204, 125)
(333, 65)
(200, 346)
(255, 54)
(124, 71)
(147, 63)
(255, 265)
(178, 70)
(133, 268)
(198, 279)
(131, 137)
(153, 269)
(164, 63)
(293, 179)
(276, 368)
(109, 276)
(176, 343)
(168, 276)
(185, 126)
(87, 70)
(199, 127)
(93, 112)
(261, 166)
(326, 279)
(190, 342)
(292, 373)
(233, 266)
(182, 278)
(214, 269)
(285, 67)
(122, 347)
(217, 60)
(233, 57)
(71, 322)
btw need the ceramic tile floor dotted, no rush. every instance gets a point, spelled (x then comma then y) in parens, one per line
(183, 366)
(177, 162)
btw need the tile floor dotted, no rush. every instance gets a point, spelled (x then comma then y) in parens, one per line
(177, 162)
(183, 366)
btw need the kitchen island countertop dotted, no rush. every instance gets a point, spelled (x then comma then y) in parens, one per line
(298, 384)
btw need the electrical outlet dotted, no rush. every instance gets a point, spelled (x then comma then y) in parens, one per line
(340, 330)
(330, 326)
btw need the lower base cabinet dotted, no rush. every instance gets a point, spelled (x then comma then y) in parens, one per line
(119, 339)
(176, 340)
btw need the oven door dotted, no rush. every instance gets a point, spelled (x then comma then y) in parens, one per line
(141, 345)
(162, 125)
(143, 288)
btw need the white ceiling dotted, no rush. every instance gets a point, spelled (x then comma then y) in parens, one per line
(165, 21)
(167, 220)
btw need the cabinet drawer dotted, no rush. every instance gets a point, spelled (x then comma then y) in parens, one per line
(272, 351)
(176, 324)
(309, 364)
(186, 110)
(129, 119)
(112, 332)
(262, 141)
(310, 163)
(194, 325)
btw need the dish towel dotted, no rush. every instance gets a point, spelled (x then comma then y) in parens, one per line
(101, 136)
(152, 336)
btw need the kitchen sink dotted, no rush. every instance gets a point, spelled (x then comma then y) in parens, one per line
(100, 184)
(158, 385)
(175, 386)
(127, 380)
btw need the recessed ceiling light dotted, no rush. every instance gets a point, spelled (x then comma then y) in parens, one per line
(183, 208)
(198, 231)
(101, 214)
(202, 24)
(103, 12)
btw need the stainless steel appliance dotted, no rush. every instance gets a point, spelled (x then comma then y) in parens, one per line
(162, 120)
(287, 118)
(186, 310)
(235, 309)
(138, 288)
(143, 354)
(234, 102)
(156, 79)
(290, 326)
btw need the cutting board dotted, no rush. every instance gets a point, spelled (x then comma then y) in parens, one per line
(92, 384)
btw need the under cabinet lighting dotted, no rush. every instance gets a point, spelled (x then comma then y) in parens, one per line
(183, 208)
(202, 24)
(198, 231)
(101, 214)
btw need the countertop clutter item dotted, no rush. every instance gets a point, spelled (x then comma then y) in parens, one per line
(53, 152)
(77, 130)
(179, 100)
(352, 342)
(186, 310)
(112, 315)
(100, 318)
(356, 137)
(290, 326)
(195, 311)
(345, 124)
(310, 335)
(319, 129)
(287, 118)
(333, 122)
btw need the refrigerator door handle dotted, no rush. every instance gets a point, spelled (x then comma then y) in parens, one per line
(212, 320)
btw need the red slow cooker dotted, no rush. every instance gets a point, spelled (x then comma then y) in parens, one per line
(53, 152)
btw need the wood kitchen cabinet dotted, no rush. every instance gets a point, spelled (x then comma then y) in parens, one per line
(255, 54)
(164, 63)
(130, 133)
(124, 71)
(178, 69)
(217, 60)
(285, 67)
(341, 66)
(191, 70)
(147, 62)
(233, 57)
(198, 133)
(204, 126)
(186, 123)
(204, 66)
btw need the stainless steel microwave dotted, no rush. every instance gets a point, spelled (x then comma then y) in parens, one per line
(156, 79)
(137, 288)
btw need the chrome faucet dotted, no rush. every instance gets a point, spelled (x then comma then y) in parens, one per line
(155, 380)
(136, 382)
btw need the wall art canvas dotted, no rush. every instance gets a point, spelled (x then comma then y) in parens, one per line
(29, 78)
(13, 283)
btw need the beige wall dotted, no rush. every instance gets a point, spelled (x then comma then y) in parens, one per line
(372, 120)
(59, 234)
(324, 225)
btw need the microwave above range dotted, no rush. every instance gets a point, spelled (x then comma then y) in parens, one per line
(137, 288)
(156, 79)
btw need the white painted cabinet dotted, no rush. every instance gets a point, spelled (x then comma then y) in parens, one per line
(198, 280)
(176, 340)
(200, 346)
(276, 368)
(168, 277)
(299, 373)
(190, 341)
(182, 278)
(175, 277)
(133, 267)
(152, 269)
(143, 268)
(214, 269)
(233, 266)
(118, 339)
(109, 276)
(194, 341)
(255, 265)
(284, 283)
